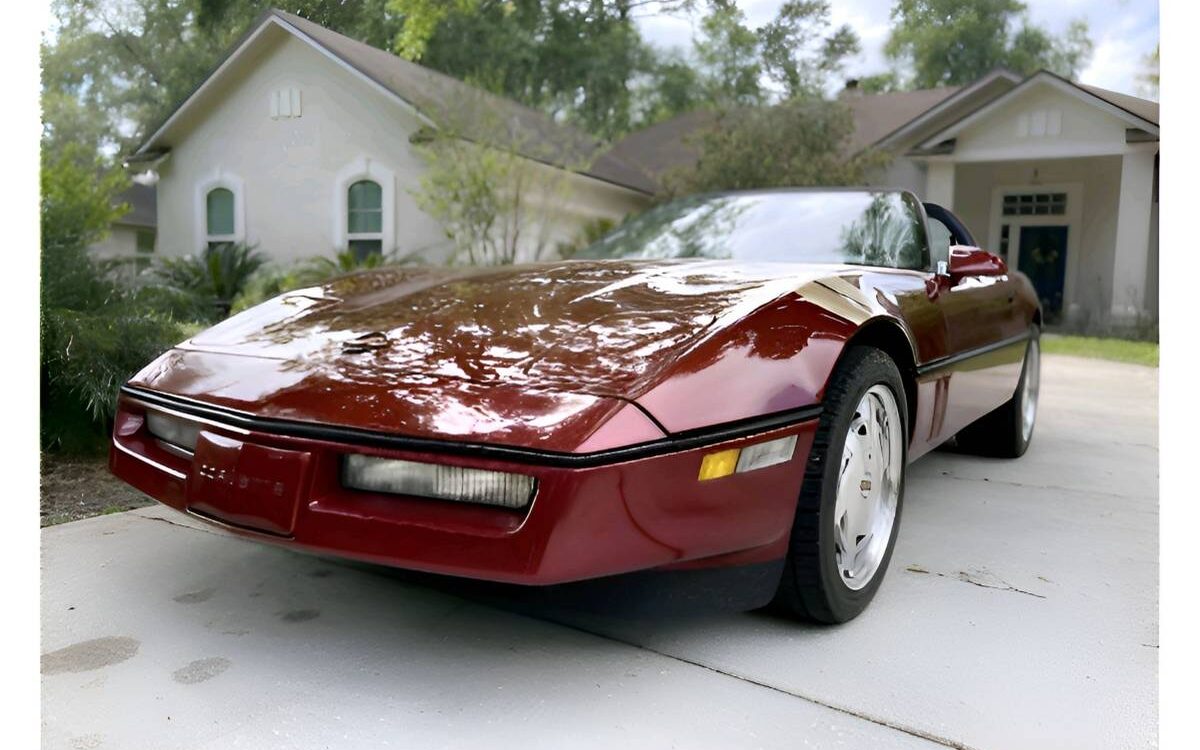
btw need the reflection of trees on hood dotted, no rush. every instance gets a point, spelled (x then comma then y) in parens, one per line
(689, 228)
(885, 235)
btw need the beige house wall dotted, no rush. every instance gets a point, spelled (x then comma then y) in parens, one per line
(290, 173)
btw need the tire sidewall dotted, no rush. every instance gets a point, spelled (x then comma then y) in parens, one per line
(1022, 444)
(845, 602)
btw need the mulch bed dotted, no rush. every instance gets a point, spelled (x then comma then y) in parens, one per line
(75, 488)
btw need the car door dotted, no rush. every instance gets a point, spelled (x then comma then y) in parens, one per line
(983, 322)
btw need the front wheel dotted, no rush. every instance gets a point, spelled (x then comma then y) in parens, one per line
(849, 507)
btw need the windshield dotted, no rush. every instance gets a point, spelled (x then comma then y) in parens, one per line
(858, 227)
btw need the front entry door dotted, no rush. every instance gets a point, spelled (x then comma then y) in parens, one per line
(1043, 258)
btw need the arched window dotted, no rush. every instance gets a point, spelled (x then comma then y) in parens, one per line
(364, 219)
(219, 218)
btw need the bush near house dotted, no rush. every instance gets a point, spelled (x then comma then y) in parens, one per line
(94, 331)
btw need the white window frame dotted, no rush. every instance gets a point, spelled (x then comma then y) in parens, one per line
(364, 168)
(232, 183)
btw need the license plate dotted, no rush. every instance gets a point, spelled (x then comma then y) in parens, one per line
(245, 484)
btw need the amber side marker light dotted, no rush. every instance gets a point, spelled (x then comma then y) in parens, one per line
(740, 460)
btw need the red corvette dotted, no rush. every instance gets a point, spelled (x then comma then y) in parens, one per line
(727, 383)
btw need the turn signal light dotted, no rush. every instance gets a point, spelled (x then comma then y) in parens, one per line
(740, 460)
(719, 464)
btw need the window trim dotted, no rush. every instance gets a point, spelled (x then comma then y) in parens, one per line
(352, 236)
(364, 168)
(232, 183)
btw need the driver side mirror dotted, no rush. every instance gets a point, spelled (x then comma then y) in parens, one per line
(971, 261)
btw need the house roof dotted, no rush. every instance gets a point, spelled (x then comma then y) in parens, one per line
(671, 144)
(1143, 108)
(143, 206)
(878, 115)
(446, 102)
(1139, 113)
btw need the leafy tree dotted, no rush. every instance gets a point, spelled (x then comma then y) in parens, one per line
(1149, 78)
(95, 333)
(79, 197)
(729, 57)
(956, 42)
(796, 143)
(574, 59)
(669, 88)
(114, 68)
(496, 205)
(880, 83)
(794, 53)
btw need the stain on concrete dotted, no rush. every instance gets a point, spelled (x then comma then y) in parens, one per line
(200, 670)
(87, 741)
(195, 597)
(88, 655)
(320, 573)
(300, 615)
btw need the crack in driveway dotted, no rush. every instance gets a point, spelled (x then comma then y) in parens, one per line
(979, 578)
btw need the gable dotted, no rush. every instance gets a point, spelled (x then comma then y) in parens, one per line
(436, 99)
(1045, 117)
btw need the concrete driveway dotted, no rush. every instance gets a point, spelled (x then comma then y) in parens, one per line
(1020, 611)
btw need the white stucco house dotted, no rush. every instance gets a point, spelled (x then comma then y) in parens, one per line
(133, 234)
(1059, 178)
(300, 142)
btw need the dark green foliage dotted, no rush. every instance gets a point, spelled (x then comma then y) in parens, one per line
(956, 42)
(794, 144)
(218, 275)
(95, 332)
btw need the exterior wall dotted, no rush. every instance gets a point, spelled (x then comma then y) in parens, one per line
(903, 174)
(291, 170)
(121, 241)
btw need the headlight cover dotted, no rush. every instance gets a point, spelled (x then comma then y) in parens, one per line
(457, 483)
(178, 432)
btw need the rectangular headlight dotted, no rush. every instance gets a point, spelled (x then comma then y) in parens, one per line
(762, 455)
(169, 429)
(437, 481)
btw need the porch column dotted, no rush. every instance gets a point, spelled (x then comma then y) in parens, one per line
(939, 184)
(1133, 234)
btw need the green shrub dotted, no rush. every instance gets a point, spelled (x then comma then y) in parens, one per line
(218, 275)
(95, 332)
(272, 281)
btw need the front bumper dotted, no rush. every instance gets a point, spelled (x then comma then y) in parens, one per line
(591, 516)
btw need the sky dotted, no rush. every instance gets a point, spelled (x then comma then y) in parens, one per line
(1123, 33)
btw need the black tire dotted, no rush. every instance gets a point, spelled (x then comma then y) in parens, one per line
(811, 586)
(1001, 433)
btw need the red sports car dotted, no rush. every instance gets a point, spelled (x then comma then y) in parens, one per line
(728, 383)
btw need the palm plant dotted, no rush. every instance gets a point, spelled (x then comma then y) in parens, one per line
(219, 274)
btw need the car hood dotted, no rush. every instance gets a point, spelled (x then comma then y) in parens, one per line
(546, 341)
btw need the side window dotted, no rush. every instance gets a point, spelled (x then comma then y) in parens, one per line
(939, 241)
(364, 222)
(219, 220)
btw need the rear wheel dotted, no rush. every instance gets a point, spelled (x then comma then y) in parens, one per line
(1007, 431)
(849, 508)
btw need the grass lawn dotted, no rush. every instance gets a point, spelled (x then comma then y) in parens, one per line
(1119, 350)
